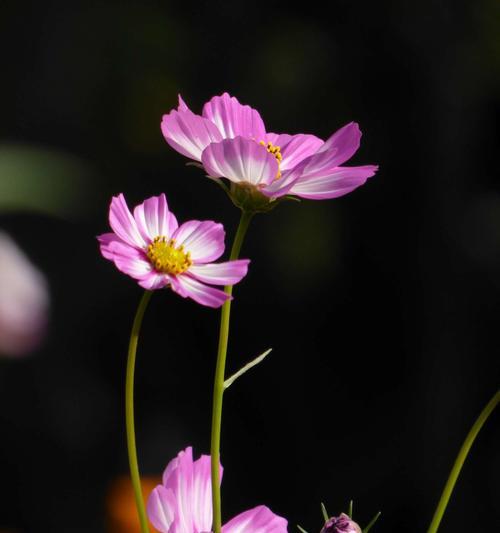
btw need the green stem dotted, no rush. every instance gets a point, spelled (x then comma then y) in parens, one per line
(459, 461)
(129, 412)
(219, 379)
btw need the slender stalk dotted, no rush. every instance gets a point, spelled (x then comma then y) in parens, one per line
(459, 461)
(129, 412)
(219, 379)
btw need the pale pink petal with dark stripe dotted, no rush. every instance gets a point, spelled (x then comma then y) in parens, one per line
(295, 148)
(202, 494)
(332, 183)
(181, 483)
(182, 106)
(282, 185)
(161, 507)
(258, 520)
(204, 240)
(154, 280)
(234, 119)
(339, 147)
(154, 219)
(123, 223)
(188, 133)
(189, 287)
(128, 259)
(240, 160)
(227, 273)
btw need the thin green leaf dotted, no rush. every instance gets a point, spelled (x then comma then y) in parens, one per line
(301, 529)
(229, 381)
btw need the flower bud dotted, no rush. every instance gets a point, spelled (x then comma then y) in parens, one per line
(341, 524)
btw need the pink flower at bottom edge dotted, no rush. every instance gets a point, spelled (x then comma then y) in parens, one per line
(151, 247)
(183, 502)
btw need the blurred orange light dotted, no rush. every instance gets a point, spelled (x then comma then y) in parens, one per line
(120, 505)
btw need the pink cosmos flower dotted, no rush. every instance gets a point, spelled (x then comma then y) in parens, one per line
(183, 503)
(152, 248)
(231, 141)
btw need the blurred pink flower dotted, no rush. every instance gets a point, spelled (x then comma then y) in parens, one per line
(24, 301)
(231, 141)
(341, 524)
(152, 248)
(183, 502)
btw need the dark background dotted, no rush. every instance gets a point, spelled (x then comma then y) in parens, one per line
(382, 307)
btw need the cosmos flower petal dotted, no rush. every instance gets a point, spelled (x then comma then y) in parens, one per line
(295, 148)
(188, 133)
(227, 273)
(153, 281)
(189, 287)
(105, 241)
(161, 507)
(240, 160)
(202, 494)
(283, 185)
(154, 219)
(204, 240)
(182, 105)
(258, 520)
(181, 483)
(333, 183)
(234, 119)
(123, 223)
(342, 145)
(170, 469)
(127, 259)
(277, 138)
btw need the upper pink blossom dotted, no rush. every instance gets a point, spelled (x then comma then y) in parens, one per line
(183, 502)
(152, 248)
(231, 141)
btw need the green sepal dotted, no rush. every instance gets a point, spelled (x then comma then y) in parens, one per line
(220, 183)
(230, 380)
(325, 512)
(373, 520)
(195, 164)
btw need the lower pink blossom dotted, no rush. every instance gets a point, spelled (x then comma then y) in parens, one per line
(151, 247)
(183, 502)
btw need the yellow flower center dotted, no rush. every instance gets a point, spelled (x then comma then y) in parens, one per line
(276, 151)
(166, 258)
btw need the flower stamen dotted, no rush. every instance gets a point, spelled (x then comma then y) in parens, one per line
(166, 258)
(276, 151)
